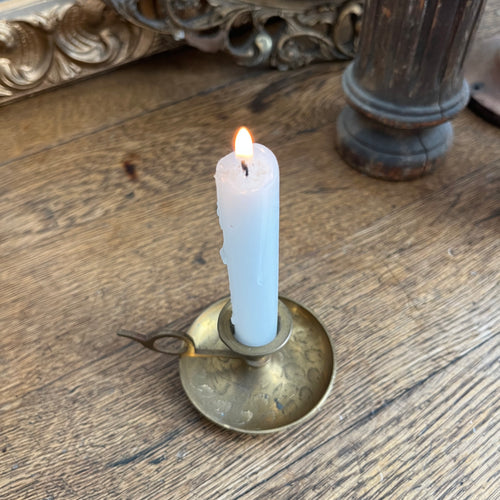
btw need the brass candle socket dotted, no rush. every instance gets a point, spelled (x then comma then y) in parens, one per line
(252, 389)
(254, 355)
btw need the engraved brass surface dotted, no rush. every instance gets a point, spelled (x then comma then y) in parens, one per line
(285, 391)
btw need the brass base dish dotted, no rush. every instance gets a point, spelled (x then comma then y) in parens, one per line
(241, 396)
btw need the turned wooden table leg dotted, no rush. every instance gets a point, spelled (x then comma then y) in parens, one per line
(405, 84)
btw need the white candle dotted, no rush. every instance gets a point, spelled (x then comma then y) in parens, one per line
(247, 183)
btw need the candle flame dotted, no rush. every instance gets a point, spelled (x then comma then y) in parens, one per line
(243, 143)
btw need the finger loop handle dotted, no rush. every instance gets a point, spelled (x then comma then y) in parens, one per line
(148, 340)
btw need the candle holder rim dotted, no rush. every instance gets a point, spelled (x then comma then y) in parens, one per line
(284, 329)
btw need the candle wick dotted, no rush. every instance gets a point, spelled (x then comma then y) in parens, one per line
(244, 167)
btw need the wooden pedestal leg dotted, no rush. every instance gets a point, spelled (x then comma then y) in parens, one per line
(405, 84)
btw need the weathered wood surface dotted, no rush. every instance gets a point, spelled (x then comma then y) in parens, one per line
(404, 276)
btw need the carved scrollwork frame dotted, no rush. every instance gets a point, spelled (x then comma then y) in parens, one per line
(48, 43)
(45, 43)
(281, 33)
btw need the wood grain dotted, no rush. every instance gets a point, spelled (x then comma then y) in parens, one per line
(404, 276)
(55, 118)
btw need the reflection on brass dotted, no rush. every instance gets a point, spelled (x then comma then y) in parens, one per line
(45, 44)
(279, 33)
(252, 389)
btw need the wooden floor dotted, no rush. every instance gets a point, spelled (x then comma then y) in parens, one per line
(404, 276)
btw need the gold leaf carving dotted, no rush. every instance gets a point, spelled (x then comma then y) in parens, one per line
(25, 56)
(69, 40)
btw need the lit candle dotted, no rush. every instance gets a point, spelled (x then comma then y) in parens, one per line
(247, 183)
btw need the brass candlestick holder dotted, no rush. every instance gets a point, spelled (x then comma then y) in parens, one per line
(252, 389)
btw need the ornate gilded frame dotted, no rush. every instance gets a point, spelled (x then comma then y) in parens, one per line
(282, 33)
(45, 43)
